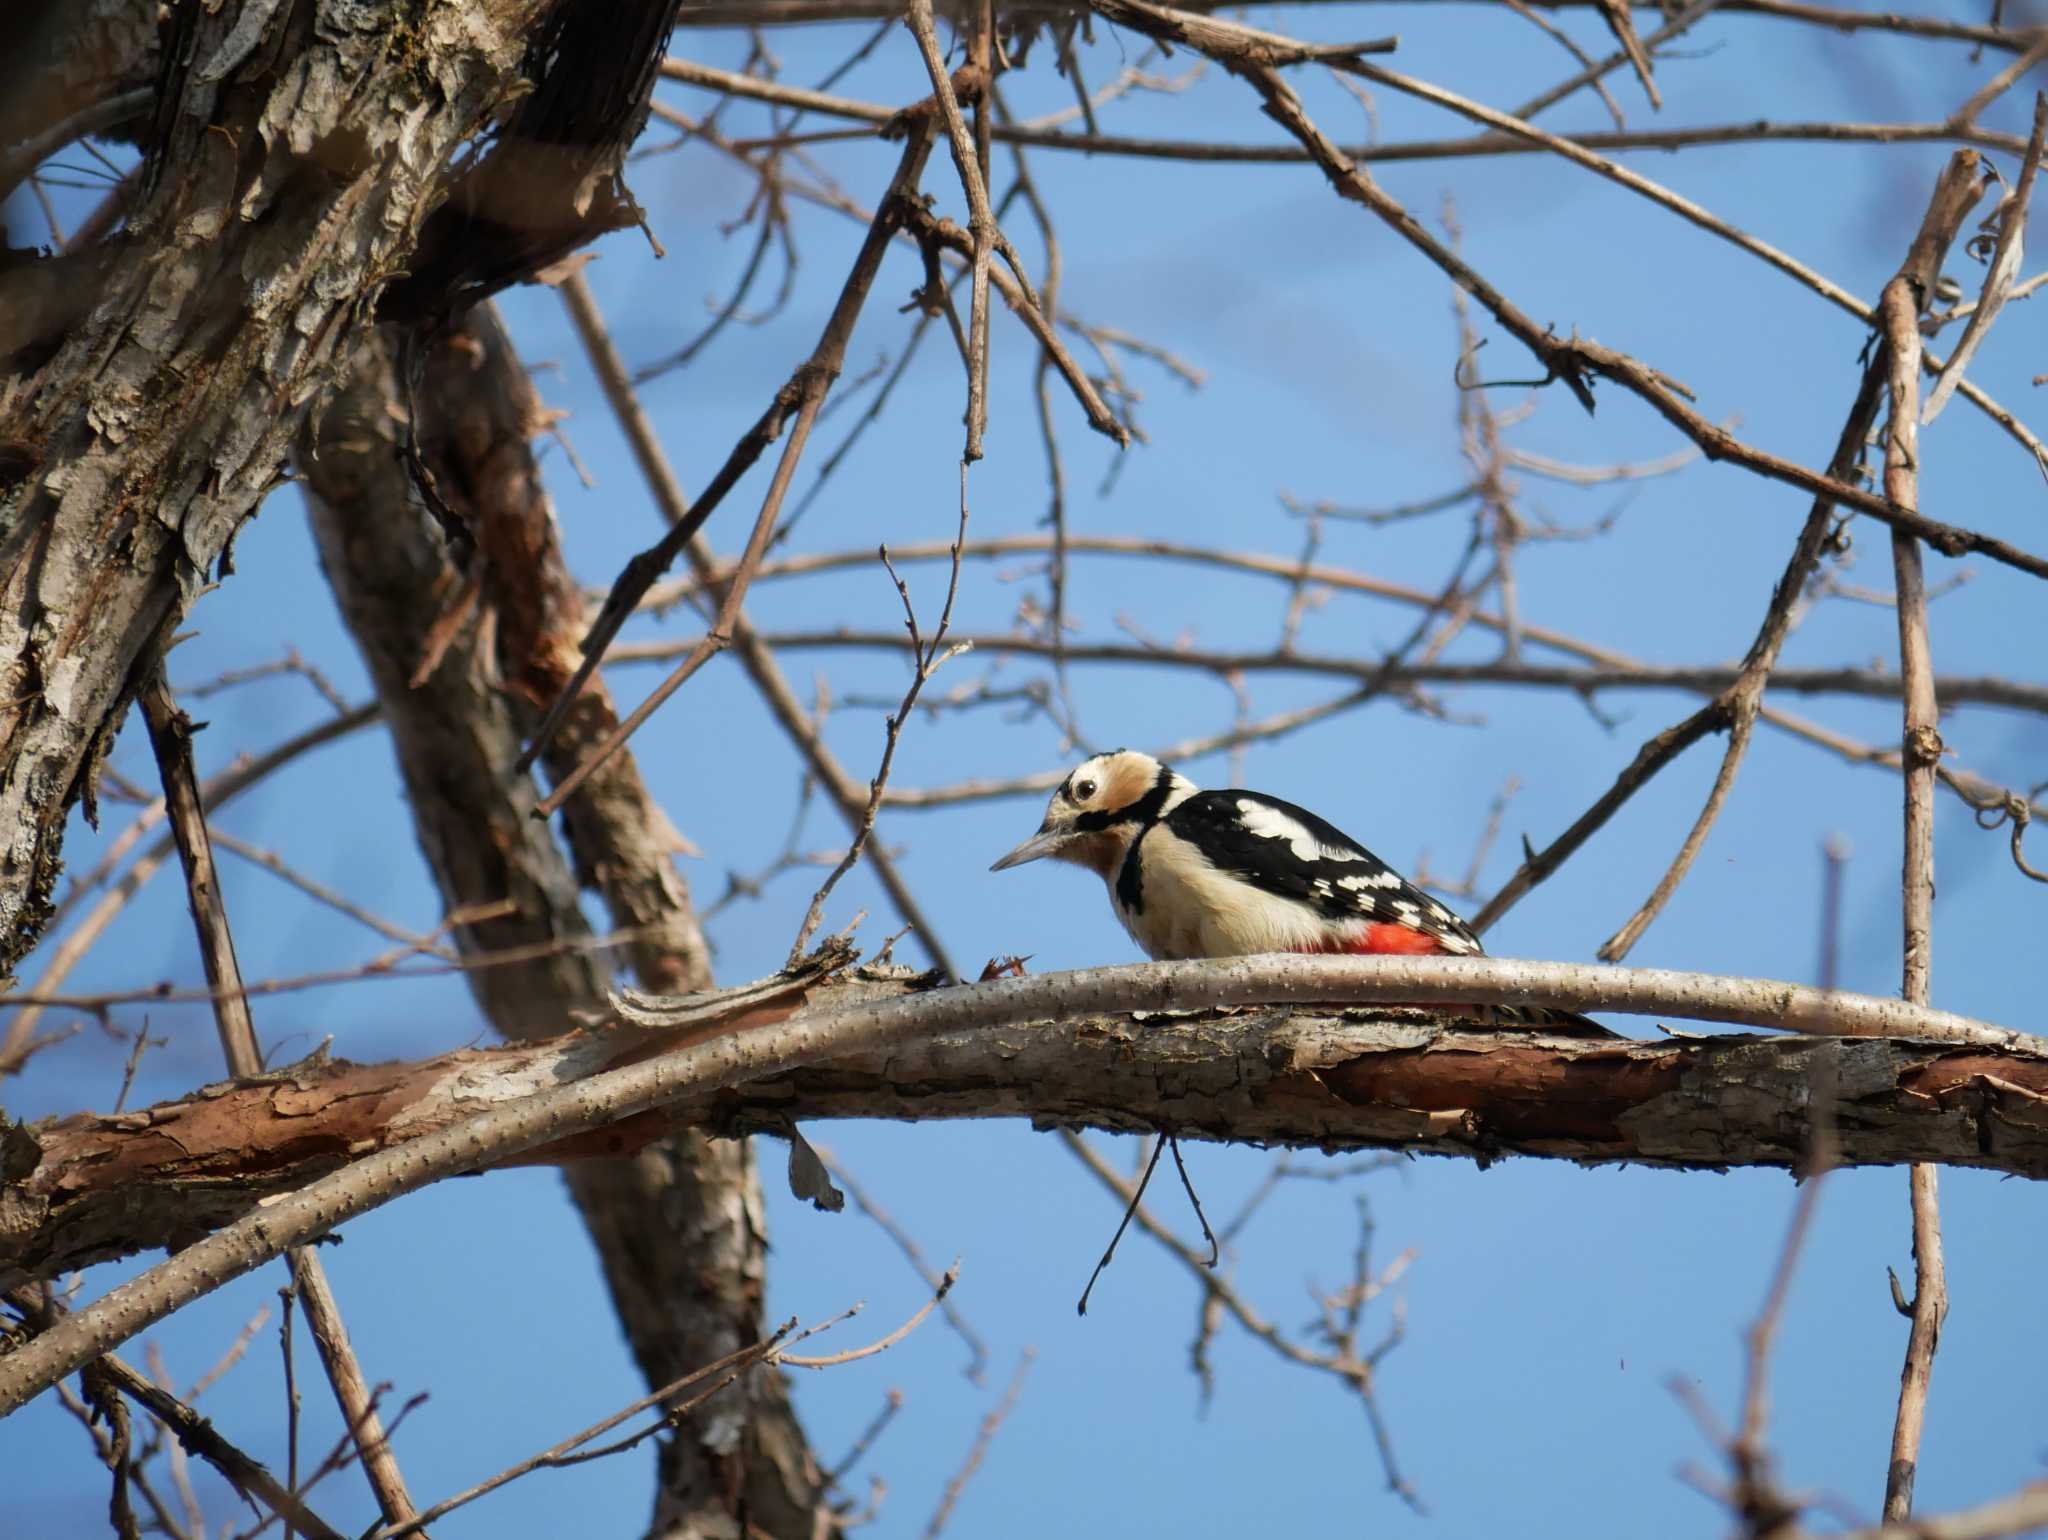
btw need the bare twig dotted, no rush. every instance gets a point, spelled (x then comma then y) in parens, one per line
(771, 1350)
(1039, 134)
(796, 403)
(2003, 271)
(1677, 25)
(904, 1242)
(2001, 82)
(1955, 193)
(1619, 21)
(1573, 361)
(1974, 689)
(1137, 1196)
(285, 1298)
(215, 792)
(192, 1431)
(1218, 1292)
(926, 658)
(991, 1424)
(1921, 747)
(755, 656)
(944, 1287)
(892, 1404)
(971, 164)
(320, 893)
(742, 1358)
(170, 735)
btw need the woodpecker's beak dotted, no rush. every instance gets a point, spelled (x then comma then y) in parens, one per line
(1044, 843)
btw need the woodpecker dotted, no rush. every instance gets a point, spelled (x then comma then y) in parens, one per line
(1195, 873)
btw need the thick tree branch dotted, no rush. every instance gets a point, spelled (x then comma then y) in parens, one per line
(719, 1052)
(109, 1185)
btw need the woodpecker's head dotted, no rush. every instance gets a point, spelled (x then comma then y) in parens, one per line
(1106, 802)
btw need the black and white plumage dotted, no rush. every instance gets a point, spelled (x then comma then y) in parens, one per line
(1195, 873)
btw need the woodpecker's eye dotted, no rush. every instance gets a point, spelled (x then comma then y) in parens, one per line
(1083, 790)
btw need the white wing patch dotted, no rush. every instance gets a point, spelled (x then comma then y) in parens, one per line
(1270, 823)
(1385, 879)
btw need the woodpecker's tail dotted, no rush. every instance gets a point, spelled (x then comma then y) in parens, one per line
(1548, 1019)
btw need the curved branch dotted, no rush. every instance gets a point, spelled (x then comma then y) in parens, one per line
(110, 1186)
(731, 1057)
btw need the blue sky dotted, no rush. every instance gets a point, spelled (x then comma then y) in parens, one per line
(1547, 1309)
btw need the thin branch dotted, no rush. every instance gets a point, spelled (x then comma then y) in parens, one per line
(796, 403)
(170, 732)
(991, 1424)
(1956, 192)
(215, 792)
(1833, 19)
(1221, 1294)
(981, 218)
(892, 1404)
(2003, 270)
(926, 659)
(977, 1348)
(755, 657)
(192, 1431)
(1983, 690)
(1675, 27)
(1921, 747)
(726, 82)
(320, 893)
(1590, 74)
(1573, 361)
(944, 1287)
(767, 1353)
(2001, 82)
(740, 1359)
(170, 735)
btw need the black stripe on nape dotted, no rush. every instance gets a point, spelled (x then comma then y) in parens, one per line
(1144, 810)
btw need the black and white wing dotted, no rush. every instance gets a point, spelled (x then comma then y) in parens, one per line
(1289, 852)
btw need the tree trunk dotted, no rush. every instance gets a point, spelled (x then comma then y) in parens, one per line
(678, 1225)
(152, 385)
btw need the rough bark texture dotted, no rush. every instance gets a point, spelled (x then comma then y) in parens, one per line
(92, 1186)
(677, 1222)
(479, 418)
(294, 156)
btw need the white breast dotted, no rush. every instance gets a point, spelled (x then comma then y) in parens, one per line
(1190, 909)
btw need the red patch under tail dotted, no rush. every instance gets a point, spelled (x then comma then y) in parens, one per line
(1384, 940)
(1381, 939)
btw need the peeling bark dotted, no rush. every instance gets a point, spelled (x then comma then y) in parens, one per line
(295, 156)
(300, 178)
(96, 1186)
